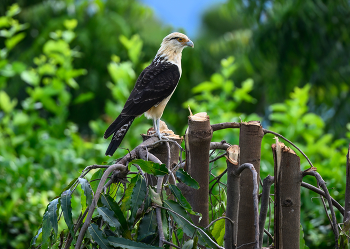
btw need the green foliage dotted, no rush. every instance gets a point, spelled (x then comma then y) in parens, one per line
(152, 168)
(35, 134)
(219, 231)
(111, 226)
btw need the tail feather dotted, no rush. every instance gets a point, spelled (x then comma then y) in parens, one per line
(118, 137)
(117, 124)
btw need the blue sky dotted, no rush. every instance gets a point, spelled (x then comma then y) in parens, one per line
(181, 13)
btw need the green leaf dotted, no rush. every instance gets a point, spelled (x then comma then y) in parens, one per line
(155, 197)
(128, 244)
(46, 230)
(67, 209)
(69, 185)
(31, 77)
(186, 227)
(12, 42)
(84, 97)
(52, 213)
(49, 222)
(148, 226)
(165, 224)
(5, 102)
(219, 231)
(13, 10)
(128, 192)
(177, 208)
(112, 205)
(97, 236)
(87, 190)
(187, 179)
(108, 216)
(150, 167)
(302, 244)
(36, 236)
(70, 24)
(189, 244)
(178, 195)
(137, 197)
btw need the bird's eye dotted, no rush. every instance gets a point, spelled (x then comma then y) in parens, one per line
(180, 39)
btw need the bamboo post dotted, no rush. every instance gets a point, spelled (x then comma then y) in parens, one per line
(250, 137)
(288, 180)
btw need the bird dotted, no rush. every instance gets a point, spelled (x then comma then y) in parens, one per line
(152, 91)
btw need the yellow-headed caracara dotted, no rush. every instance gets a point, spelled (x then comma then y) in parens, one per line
(152, 90)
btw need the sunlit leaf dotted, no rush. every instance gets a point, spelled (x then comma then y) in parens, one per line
(87, 190)
(128, 192)
(5, 102)
(70, 24)
(219, 231)
(155, 197)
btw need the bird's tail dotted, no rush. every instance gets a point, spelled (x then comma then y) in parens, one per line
(118, 136)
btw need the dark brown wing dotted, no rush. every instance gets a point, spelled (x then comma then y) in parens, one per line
(155, 83)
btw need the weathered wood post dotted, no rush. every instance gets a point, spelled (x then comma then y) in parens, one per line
(233, 197)
(161, 152)
(288, 180)
(347, 189)
(198, 137)
(250, 137)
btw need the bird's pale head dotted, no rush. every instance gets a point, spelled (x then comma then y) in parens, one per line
(172, 46)
(177, 40)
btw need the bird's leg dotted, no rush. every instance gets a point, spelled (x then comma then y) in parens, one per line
(158, 128)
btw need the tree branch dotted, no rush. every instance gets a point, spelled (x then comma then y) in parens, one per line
(291, 143)
(95, 200)
(320, 192)
(268, 181)
(222, 126)
(322, 184)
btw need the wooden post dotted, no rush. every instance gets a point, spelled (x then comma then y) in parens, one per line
(347, 189)
(233, 196)
(288, 180)
(198, 137)
(161, 152)
(250, 138)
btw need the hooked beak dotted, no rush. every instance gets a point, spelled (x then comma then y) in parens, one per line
(189, 44)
